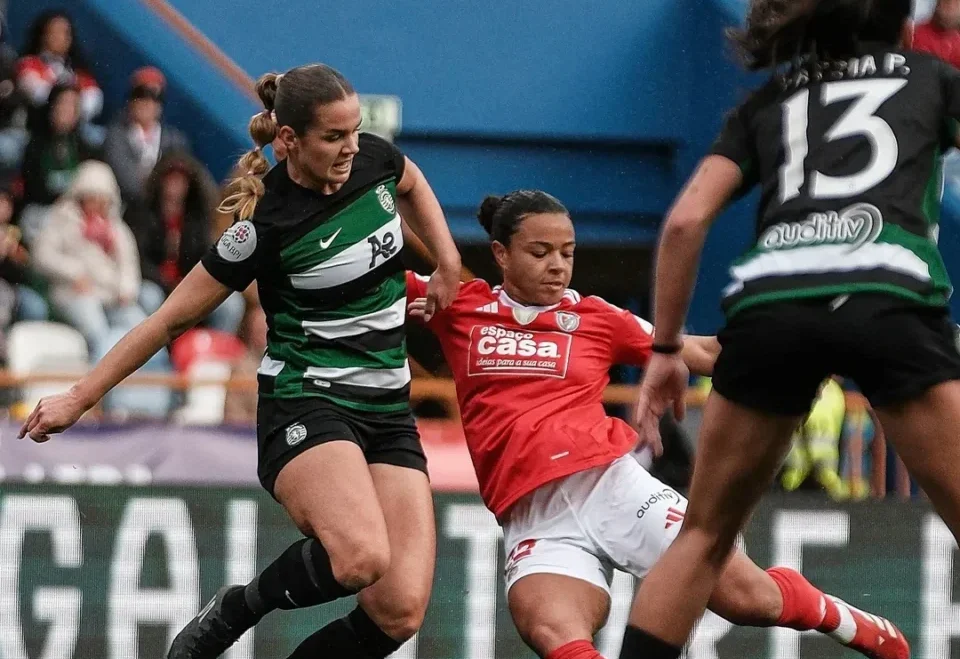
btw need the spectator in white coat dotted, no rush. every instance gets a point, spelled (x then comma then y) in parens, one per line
(90, 256)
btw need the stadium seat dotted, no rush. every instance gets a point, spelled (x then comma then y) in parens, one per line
(43, 347)
(199, 345)
(205, 354)
(205, 402)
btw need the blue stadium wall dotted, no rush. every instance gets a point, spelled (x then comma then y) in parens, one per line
(608, 105)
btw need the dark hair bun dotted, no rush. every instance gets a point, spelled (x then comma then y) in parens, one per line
(488, 209)
(267, 90)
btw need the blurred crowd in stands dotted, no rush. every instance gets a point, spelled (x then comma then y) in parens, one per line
(100, 217)
(940, 36)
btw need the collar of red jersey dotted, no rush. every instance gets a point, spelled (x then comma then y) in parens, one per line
(508, 301)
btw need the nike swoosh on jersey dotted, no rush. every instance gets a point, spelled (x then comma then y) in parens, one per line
(326, 243)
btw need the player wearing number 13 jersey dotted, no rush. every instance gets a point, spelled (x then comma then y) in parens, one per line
(847, 154)
(530, 360)
(844, 277)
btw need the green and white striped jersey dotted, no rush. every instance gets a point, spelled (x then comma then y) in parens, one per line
(848, 161)
(331, 283)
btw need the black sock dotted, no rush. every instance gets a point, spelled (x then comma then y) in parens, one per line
(638, 644)
(353, 637)
(300, 577)
(237, 613)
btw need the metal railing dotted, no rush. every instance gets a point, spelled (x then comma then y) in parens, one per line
(442, 391)
(422, 387)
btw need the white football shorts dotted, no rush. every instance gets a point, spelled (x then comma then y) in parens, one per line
(585, 525)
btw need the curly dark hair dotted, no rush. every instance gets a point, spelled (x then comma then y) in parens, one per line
(202, 196)
(779, 31)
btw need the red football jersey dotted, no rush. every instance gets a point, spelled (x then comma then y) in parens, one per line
(530, 383)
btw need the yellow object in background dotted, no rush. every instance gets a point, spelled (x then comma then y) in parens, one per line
(816, 444)
(703, 384)
(19, 411)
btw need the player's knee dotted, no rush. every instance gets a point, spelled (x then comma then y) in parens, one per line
(402, 619)
(404, 624)
(359, 556)
(546, 635)
(360, 565)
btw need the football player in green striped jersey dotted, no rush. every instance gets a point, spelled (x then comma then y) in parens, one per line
(321, 235)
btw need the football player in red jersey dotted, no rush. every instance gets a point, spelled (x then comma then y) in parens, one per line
(530, 360)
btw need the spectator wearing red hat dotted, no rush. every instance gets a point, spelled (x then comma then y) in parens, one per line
(137, 139)
(940, 36)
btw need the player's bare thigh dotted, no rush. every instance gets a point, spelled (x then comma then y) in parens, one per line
(328, 492)
(398, 601)
(926, 434)
(551, 610)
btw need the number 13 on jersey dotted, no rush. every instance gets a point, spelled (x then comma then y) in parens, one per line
(859, 120)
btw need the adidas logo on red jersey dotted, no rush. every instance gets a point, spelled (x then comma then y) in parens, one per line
(493, 307)
(673, 516)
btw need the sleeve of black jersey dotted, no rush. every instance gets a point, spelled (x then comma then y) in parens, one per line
(233, 260)
(950, 80)
(734, 143)
(399, 161)
(949, 134)
(387, 152)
